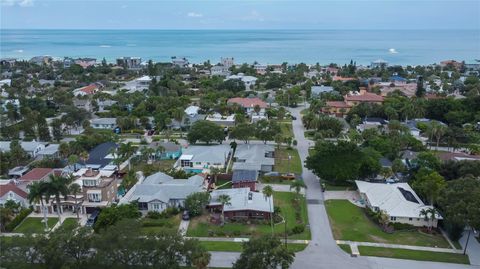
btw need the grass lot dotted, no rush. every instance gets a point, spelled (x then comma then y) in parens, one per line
(34, 225)
(282, 163)
(220, 182)
(69, 222)
(286, 128)
(161, 224)
(413, 254)
(349, 222)
(331, 187)
(345, 247)
(200, 226)
(237, 246)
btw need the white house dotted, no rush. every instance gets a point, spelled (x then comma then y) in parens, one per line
(218, 119)
(103, 123)
(249, 81)
(198, 159)
(10, 191)
(30, 147)
(143, 83)
(219, 70)
(316, 90)
(160, 191)
(398, 201)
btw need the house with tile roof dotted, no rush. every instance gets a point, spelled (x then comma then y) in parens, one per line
(10, 191)
(397, 200)
(249, 104)
(87, 90)
(340, 108)
(37, 174)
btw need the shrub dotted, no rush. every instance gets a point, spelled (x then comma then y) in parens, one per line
(295, 142)
(172, 211)
(298, 229)
(402, 226)
(153, 215)
(18, 219)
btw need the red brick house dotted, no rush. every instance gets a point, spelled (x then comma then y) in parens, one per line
(245, 179)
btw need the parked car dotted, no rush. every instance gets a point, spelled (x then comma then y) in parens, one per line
(289, 176)
(185, 215)
(294, 118)
(93, 218)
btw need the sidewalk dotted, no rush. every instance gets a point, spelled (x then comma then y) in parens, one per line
(473, 248)
(381, 245)
(279, 187)
(183, 227)
(243, 239)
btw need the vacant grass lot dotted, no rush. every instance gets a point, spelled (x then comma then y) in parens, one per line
(34, 225)
(156, 166)
(153, 226)
(349, 222)
(282, 164)
(413, 254)
(286, 128)
(238, 247)
(201, 227)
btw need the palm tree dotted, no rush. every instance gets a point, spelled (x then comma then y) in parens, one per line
(126, 150)
(75, 189)
(72, 161)
(297, 185)
(438, 131)
(36, 193)
(268, 193)
(215, 171)
(224, 199)
(429, 215)
(57, 186)
(159, 150)
(84, 156)
(383, 218)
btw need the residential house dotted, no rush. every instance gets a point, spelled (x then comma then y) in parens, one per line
(457, 156)
(84, 104)
(9, 191)
(181, 62)
(340, 108)
(18, 171)
(258, 157)
(227, 61)
(87, 90)
(380, 63)
(398, 201)
(5, 82)
(99, 188)
(41, 60)
(316, 91)
(101, 156)
(142, 83)
(198, 159)
(249, 104)
(219, 70)
(260, 69)
(104, 105)
(371, 123)
(8, 62)
(249, 81)
(164, 150)
(104, 123)
(37, 174)
(131, 63)
(68, 62)
(160, 191)
(398, 80)
(85, 62)
(30, 147)
(224, 121)
(51, 151)
(245, 179)
(244, 204)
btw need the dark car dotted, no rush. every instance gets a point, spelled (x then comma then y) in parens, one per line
(93, 218)
(185, 215)
(294, 118)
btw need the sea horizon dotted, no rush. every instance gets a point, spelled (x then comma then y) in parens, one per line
(266, 46)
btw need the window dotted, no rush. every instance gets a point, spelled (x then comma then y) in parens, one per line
(410, 219)
(94, 197)
(393, 218)
(156, 206)
(10, 195)
(89, 182)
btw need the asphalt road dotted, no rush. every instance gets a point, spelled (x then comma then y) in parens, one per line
(323, 252)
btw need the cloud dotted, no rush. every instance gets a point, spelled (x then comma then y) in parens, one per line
(194, 15)
(254, 16)
(20, 3)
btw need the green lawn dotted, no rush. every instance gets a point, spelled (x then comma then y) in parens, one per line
(34, 225)
(69, 222)
(152, 226)
(282, 163)
(349, 222)
(413, 254)
(201, 227)
(237, 246)
(345, 247)
(224, 184)
(156, 166)
(286, 129)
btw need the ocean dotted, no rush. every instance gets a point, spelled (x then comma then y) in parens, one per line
(403, 47)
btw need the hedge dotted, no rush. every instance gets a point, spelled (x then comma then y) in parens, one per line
(18, 219)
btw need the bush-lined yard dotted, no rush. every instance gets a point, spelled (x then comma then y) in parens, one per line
(350, 222)
(150, 225)
(295, 217)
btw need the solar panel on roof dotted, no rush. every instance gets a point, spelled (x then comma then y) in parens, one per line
(408, 195)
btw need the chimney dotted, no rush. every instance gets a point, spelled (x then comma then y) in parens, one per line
(363, 90)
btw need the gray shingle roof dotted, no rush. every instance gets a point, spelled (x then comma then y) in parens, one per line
(211, 154)
(244, 176)
(239, 200)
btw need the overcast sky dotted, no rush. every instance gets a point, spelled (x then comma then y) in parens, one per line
(246, 14)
